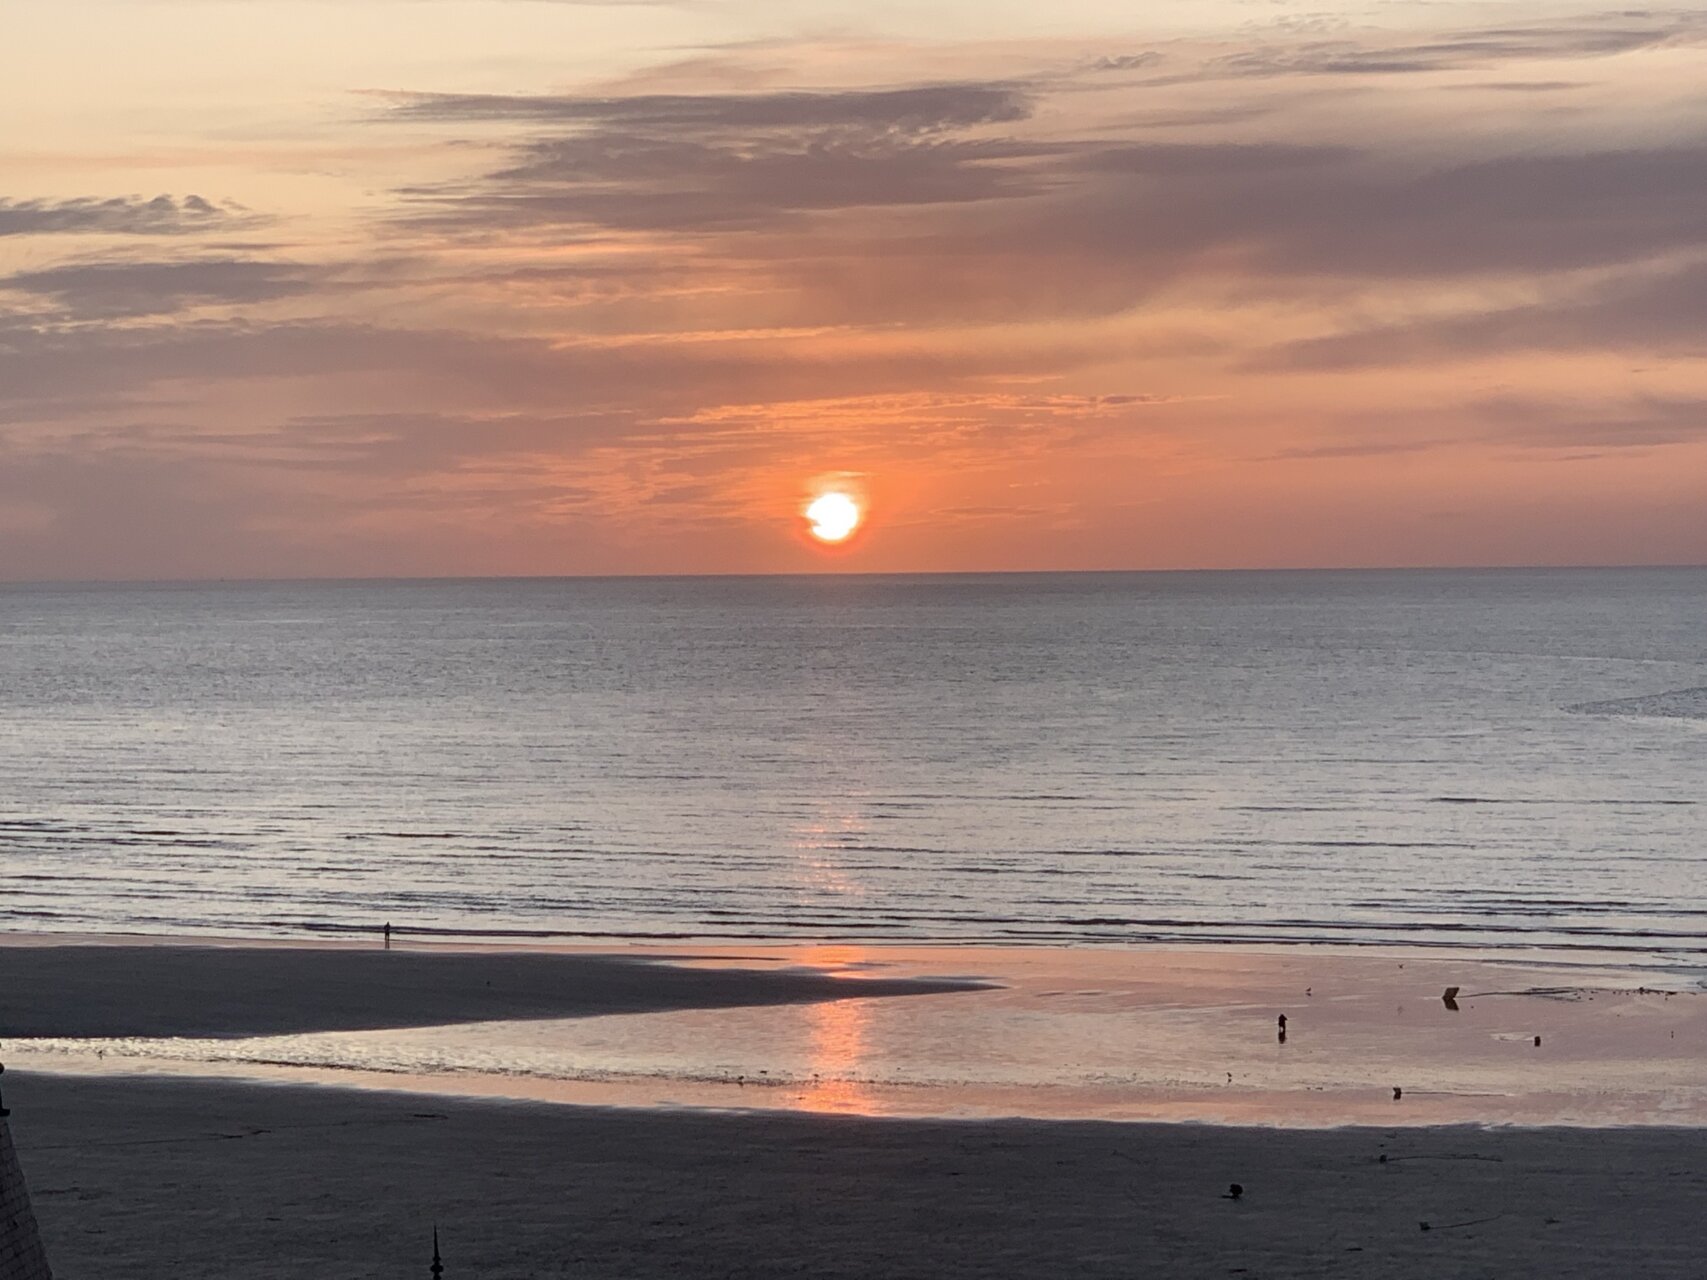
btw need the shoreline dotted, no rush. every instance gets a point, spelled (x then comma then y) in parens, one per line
(1135, 1034)
(340, 937)
(1596, 958)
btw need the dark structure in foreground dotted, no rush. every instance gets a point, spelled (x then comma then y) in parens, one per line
(21, 1254)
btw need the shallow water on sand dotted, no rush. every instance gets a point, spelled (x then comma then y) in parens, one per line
(1456, 759)
(1176, 1034)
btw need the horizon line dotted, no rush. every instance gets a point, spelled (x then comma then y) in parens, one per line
(831, 575)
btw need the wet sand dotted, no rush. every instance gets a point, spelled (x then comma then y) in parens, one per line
(1138, 1034)
(118, 990)
(138, 1179)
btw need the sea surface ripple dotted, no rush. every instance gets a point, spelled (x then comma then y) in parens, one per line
(1488, 759)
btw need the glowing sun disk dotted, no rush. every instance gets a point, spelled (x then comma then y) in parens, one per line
(833, 516)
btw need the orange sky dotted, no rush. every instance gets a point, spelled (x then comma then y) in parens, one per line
(536, 287)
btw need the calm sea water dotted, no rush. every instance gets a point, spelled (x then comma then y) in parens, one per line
(1487, 758)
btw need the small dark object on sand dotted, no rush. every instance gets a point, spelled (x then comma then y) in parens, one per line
(1449, 998)
(1234, 1192)
(1397, 1093)
(1453, 1226)
(1283, 1022)
(1538, 1041)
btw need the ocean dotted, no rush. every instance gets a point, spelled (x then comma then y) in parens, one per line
(1473, 759)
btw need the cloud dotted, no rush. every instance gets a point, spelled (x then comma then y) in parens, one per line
(912, 109)
(1653, 312)
(938, 202)
(116, 215)
(645, 184)
(727, 161)
(1376, 216)
(1529, 422)
(1354, 449)
(1641, 422)
(113, 289)
(498, 372)
(426, 442)
(1594, 37)
(1522, 86)
(1124, 61)
(1207, 159)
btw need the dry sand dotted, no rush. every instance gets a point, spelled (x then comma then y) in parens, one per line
(144, 1179)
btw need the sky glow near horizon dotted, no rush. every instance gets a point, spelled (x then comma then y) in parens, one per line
(524, 286)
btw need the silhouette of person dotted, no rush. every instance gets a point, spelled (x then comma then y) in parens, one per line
(3, 1110)
(388, 935)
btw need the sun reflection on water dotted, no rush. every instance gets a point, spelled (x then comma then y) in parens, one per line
(837, 1048)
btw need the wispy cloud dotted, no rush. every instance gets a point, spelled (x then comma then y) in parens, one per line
(1655, 312)
(698, 162)
(113, 289)
(912, 109)
(117, 215)
(1472, 49)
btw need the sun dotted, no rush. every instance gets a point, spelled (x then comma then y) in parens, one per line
(833, 516)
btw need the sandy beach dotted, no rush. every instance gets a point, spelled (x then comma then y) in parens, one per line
(117, 990)
(138, 1179)
(1149, 1033)
(177, 1112)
